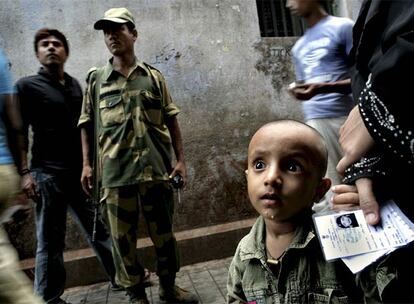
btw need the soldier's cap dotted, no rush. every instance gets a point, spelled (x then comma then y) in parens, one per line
(119, 15)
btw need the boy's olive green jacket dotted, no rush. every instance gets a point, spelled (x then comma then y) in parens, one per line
(302, 275)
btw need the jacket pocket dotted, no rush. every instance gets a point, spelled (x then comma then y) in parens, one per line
(152, 107)
(112, 110)
(317, 298)
(256, 295)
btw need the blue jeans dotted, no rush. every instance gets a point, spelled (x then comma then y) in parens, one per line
(58, 192)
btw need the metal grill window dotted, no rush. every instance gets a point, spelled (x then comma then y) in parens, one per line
(276, 21)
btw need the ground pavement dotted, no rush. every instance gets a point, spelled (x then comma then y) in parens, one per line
(207, 280)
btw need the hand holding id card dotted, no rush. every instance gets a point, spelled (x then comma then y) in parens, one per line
(347, 235)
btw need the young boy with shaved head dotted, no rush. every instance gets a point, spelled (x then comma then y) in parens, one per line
(280, 260)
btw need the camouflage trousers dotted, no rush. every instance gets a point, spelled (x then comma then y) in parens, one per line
(122, 206)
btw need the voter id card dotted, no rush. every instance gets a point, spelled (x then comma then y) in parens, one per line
(346, 234)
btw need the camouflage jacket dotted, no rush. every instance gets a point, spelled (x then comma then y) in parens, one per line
(302, 275)
(134, 141)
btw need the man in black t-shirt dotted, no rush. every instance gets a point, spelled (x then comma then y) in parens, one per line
(50, 104)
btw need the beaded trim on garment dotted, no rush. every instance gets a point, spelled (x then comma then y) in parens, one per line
(402, 143)
(375, 113)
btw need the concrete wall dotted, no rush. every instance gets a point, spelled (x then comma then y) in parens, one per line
(226, 79)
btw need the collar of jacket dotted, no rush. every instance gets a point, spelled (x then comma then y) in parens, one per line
(253, 246)
(109, 70)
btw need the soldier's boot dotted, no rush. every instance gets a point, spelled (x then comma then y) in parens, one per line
(137, 294)
(146, 281)
(175, 294)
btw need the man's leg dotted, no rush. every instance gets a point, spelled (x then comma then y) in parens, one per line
(123, 212)
(83, 211)
(158, 207)
(15, 287)
(50, 218)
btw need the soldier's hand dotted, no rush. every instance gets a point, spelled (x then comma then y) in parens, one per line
(180, 169)
(86, 180)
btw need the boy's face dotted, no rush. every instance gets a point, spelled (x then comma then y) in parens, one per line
(284, 171)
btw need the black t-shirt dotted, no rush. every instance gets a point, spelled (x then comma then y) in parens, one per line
(52, 110)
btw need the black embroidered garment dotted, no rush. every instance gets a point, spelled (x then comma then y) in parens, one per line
(383, 56)
(382, 84)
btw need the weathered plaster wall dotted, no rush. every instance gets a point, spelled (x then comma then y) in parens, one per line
(226, 79)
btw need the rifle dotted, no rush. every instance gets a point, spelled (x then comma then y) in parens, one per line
(95, 220)
(95, 200)
(96, 165)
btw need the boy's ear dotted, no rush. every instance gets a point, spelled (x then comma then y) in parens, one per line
(323, 187)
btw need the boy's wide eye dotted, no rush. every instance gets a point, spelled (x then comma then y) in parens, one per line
(259, 165)
(294, 166)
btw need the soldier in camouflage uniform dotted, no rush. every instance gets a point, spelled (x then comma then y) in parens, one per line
(130, 107)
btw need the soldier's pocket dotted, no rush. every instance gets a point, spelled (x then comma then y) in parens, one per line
(112, 110)
(152, 107)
